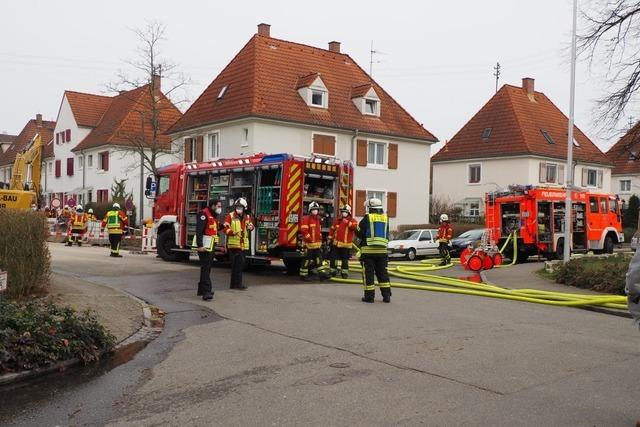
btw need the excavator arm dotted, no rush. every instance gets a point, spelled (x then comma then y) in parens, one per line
(27, 168)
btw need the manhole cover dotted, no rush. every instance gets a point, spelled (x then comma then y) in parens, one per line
(340, 365)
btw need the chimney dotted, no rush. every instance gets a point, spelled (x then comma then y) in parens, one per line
(39, 120)
(528, 85)
(334, 46)
(264, 30)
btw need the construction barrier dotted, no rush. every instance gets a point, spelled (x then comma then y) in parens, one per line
(148, 240)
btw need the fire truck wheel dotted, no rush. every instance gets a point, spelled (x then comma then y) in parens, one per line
(608, 244)
(497, 259)
(165, 244)
(292, 265)
(475, 263)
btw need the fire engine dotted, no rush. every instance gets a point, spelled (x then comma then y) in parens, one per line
(278, 187)
(537, 215)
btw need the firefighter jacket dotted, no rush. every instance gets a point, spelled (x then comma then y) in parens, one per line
(207, 225)
(445, 232)
(311, 230)
(79, 222)
(115, 221)
(237, 230)
(342, 232)
(632, 288)
(91, 217)
(373, 232)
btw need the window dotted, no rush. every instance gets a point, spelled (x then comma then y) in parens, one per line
(103, 161)
(625, 185)
(317, 98)
(593, 204)
(80, 162)
(103, 196)
(474, 209)
(486, 134)
(90, 161)
(376, 154)
(551, 173)
(223, 91)
(592, 178)
(371, 107)
(245, 137)
(547, 136)
(613, 205)
(213, 145)
(50, 168)
(67, 135)
(474, 174)
(378, 195)
(576, 143)
(190, 150)
(163, 185)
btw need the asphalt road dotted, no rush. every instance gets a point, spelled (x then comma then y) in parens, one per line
(284, 353)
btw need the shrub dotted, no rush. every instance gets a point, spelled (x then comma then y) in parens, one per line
(628, 233)
(39, 333)
(24, 253)
(598, 274)
(99, 208)
(630, 212)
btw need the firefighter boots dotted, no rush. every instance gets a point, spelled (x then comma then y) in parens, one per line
(386, 294)
(369, 296)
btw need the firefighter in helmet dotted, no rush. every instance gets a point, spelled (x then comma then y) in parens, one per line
(77, 226)
(341, 239)
(115, 222)
(373, 232)
(237, 226)
(445, 233)
(91, 215)
(311, 229)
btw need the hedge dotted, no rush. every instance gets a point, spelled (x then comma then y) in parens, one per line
(24, 253)
(600, 274)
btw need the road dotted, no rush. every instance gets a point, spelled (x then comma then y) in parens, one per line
(284, 353)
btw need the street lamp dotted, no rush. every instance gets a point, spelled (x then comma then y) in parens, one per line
(570, 171)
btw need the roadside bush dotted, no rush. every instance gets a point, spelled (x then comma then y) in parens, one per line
(39, 333)
(598, 274)
(24, 253)
(628, 234)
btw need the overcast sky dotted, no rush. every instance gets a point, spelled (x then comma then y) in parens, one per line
(438, 55)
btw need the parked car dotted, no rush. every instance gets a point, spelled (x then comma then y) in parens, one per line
(414, 243)
(468, 238)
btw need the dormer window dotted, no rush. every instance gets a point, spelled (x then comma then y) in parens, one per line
(366, 100)
(317, 97)
(371, 106)
(313, 91)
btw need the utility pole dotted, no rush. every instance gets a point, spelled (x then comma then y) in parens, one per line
(497, 74)
(570, 172)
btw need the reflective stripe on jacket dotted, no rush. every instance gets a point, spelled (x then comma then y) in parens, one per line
(115, 222)
(237, 231)
(374, 231)
(311, 230)
(79, 221)
(445, 232)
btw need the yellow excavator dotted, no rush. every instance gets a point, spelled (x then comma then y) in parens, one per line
(24, 188)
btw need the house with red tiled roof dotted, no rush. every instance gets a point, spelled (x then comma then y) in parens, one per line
(6, 140)
(277, 96)
(95, 140)
(518, 137)
(625, 157)
(34, 127)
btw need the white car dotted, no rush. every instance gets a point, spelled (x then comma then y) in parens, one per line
(414, 243)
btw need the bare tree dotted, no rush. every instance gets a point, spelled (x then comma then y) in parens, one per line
(610, 40)
(155, 105)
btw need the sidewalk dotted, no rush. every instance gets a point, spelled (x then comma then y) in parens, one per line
(119, 313)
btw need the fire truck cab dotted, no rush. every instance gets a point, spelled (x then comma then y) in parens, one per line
(537, 215)
(278, 188)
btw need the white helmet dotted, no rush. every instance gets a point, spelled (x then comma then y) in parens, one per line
(314, 205)
(242, 202)
(373, 203)
(116, 206)
(66, 206)
(346, 208)
(90, 210)
(79, 208)
(444, 217)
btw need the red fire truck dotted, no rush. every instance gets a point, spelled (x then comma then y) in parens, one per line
(537, 215)
(278, 187)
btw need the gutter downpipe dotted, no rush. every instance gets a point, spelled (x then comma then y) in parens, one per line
(356, 132)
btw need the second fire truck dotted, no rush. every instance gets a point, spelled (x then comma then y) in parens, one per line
(537, 215)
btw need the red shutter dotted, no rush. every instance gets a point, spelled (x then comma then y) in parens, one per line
(361, 154)
(58, 138)
(62, 140)
(392, 202)
(70, 166)
(361, 197)
(105, 160)
(67, 135)
(393, 156)
(199, 148)
(58, 168)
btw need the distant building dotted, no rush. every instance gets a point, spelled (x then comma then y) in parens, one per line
(6, 140)
(277, 96)
(518, 137)
(625, 156)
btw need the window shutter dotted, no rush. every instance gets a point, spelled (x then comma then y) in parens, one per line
(392, 201)
(361, 197)
(543, 172)
(187, 150)
(361, 154)
(199, 148)
(324, 144)
(585, 177)
(58, 138)
(58, 168)
(561, 174)
(393, 156)
(70, 166)
(105, 161)
(600, 178)
(67, 135)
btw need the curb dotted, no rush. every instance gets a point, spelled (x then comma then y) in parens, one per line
(151, 327)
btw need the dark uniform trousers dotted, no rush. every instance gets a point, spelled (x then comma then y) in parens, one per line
(443, 248)
(375, 267)
(342, 255)
(114, 240)
(204, 285)
(312, 262)
(237, 258)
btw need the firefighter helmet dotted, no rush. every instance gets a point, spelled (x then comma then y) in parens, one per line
(90, 210)
(79, 208)
(242, 202)
(314, 205)
(346, 208)
(116, 206)
(373, 203)
(444, 217)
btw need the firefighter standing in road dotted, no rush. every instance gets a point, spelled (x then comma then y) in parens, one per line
(77, 226)
(90, 215)
(311, 230)
(373, 232)
(237, 226)
(445, 233)
(341, 238)
(205, 241)
(115, 221)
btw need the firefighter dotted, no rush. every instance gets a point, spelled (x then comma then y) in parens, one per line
(204, 242)
(77, 226)
(237, 226)
(341, 239)
(90, 215)
(311, 230)
(445, 233)
(373, 232)
(116, 222)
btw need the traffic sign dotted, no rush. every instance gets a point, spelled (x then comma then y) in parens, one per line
(153, 187)
(71, 202)
(128, 204)
(56, 203)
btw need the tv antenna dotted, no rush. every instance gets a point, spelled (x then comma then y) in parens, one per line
(496, 74)
(372, 61)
